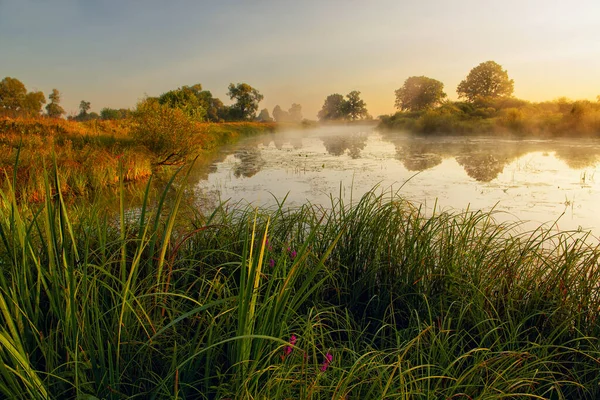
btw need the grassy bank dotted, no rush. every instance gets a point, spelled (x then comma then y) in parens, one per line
(367, 301)
(87, 154)
(559, 118)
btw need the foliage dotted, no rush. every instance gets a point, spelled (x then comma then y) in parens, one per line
(189, 99)
(246, 101)
(53, 108)
(419, 93)
(113, 114)
(354, 107)
(333, 108)
(487, 80)
(15, 101)
(295, 112)
(264, 116)
(167, 132)
(369, 301)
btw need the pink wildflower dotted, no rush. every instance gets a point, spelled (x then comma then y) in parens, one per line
(271, 263)
(326, 362)
(293, 254)
(288, 349)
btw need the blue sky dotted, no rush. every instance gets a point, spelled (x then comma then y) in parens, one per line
(112, 53)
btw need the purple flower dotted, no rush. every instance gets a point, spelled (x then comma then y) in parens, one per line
(326, 362)
(271, 263)
(293, 254)
(288, 349)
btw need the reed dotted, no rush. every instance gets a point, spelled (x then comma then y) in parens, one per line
(369, 300)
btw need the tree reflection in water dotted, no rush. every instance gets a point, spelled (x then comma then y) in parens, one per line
(337, 145)
(251, 162)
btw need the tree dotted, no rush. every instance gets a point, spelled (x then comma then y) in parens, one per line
(53, 108)
(33, 103)
(354, 108)
(295, 112)
(247, 99)
(264, 116)
(167, 132)
(487, 80)
(84, 107)
(279, 115)
(192, 100)
(12, 94)
(419, 93)
(112, 113)
(332, 108)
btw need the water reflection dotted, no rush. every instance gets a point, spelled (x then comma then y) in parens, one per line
(528, 178)
(337, 145)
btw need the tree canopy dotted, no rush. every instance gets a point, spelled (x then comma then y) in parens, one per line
(247, 99)
(487, 80)
(332, 108)
(354, 107)
(419, 93)
(53, 108)
(15, 100)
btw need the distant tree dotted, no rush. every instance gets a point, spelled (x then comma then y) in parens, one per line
(113, 114)
(12, 94)
(264, 116)
(190, 99)
(280, 115)
(332, 108)
(84, 107)
(33, 102)
(295, 112)
(419, 93)
(247, 99)
(53, 108)
(354, 107)
(487, 80)
(216, 110)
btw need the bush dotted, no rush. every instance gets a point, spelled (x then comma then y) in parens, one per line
(167, 132)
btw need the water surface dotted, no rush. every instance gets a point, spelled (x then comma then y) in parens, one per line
(541, 181)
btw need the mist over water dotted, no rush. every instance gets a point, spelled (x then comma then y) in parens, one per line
(540, 181)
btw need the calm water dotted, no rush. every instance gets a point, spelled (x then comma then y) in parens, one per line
(540, 181)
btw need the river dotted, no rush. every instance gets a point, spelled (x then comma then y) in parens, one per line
(550, 182)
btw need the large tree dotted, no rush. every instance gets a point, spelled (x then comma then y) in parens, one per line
(33, 102)
(295, 112)
(53, 108)
(419, 93)
(246, 100)
(487, 80)
(354, 107)
(12, 94)
(332, 108)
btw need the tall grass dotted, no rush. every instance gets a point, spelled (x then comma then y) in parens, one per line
(368, 301)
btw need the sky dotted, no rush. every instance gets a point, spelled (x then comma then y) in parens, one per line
(113, 53)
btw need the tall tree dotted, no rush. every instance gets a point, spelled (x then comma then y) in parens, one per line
(53, 108)
(12, 94)
(247, 99)
(487, 80)
(84, 107)
(280, 115)
(264, 116)
(419, 93)
(354, 107)
(190, 99)
(33, 103)
(332, 108)
(295, 112)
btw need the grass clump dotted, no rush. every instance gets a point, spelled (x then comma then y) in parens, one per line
(371, 300)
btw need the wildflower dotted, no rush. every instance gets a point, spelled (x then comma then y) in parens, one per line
(293, 254)
(288, 349)
(271, 263)
(326, 362)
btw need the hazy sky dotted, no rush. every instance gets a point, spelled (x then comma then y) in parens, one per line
(112, 53)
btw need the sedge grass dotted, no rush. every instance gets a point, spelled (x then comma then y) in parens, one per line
(452, 305)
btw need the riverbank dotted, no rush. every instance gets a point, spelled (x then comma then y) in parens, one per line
(370, 301)
(89, 155)
(510, 116)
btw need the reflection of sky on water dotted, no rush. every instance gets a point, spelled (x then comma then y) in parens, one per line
(528, 180)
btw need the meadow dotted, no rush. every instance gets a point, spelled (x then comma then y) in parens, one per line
(365, 301)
